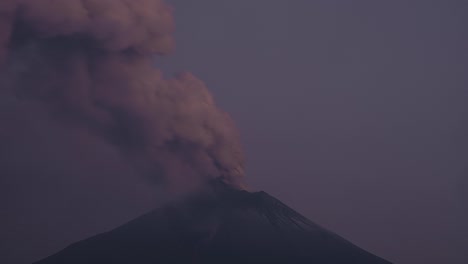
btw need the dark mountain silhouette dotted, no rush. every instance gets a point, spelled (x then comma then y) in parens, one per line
(225, 226)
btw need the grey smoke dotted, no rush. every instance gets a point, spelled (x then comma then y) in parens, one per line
(90, 64)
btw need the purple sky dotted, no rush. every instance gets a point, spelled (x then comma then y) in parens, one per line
(352, 112)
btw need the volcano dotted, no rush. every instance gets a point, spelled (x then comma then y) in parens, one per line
(224, 226)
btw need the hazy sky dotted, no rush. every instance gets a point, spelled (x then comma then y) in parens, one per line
(351, 112)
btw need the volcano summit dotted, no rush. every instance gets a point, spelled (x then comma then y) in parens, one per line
(225, 226)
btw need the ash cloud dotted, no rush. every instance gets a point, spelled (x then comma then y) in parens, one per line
(89, 63)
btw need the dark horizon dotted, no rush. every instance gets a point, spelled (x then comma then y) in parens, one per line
(352, 113)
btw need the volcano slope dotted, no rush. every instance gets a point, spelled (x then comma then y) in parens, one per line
(225, 226)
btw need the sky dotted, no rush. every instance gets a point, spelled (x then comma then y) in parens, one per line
(351, 112)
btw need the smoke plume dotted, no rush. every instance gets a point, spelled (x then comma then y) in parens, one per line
(90, 63)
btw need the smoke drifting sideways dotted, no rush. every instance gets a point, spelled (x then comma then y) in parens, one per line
(90, 64)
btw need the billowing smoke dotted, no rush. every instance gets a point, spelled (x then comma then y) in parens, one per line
(90, 62)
